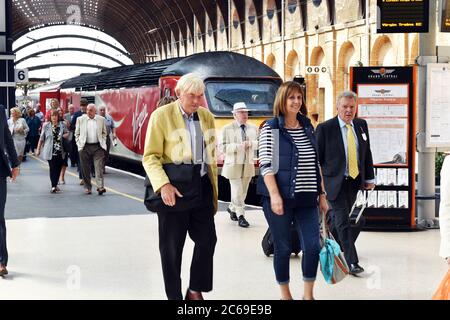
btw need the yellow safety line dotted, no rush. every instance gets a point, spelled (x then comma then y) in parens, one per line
(93, 183)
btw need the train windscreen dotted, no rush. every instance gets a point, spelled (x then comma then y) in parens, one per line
(258, 96)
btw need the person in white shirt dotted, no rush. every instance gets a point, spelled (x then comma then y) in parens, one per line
(90, 136)
(444, 210)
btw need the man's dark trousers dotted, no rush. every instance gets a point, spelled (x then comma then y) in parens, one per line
(199, 223)
(340, 210)
(3, 250)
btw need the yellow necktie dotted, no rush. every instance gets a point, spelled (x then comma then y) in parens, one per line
(353, 170)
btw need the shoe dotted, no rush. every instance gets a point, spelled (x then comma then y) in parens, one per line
(58, 189)
(242, 222)
(355, 269)
(233, 215)
(193, 295)
(101, 191)
(53, 190)
(62, 182)
(87, 191)
(3, 271)
(81, 182)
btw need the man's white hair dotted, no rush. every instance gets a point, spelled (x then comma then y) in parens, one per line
(190, 83)
(346, 94)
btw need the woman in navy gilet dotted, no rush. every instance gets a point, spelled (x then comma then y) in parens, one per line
(291, 186)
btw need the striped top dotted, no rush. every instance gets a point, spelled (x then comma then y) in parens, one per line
(306, 180)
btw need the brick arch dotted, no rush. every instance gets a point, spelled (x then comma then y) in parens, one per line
(312, 85)
(291, 66)
(271, 61)
(414, 52)
(381, 46)
(346, 53)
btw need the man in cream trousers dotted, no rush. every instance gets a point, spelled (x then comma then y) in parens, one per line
(239, 140)
(90, 136)
(444, 210)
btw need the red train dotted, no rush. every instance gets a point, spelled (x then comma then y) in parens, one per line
(130, 93)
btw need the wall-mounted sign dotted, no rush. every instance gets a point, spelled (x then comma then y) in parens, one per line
(438, 106)
(402, 16)
(21, 75)
(316, 69)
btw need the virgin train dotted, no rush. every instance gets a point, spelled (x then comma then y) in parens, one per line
(130, 93)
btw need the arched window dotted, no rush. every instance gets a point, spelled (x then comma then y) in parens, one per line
(271, 7)
(252, 13)
(210, 29)
(236, 21)
(292, 5)
(221, 24)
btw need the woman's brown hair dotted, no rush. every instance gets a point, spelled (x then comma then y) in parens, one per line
(285, 90)
(55, 112)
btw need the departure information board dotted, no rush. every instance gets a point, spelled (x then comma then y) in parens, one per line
(402, 16)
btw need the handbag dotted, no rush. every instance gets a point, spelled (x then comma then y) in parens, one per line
(186, 178)
(443, 291)
(332, 261)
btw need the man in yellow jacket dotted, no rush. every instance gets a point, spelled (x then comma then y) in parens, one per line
(173, 136)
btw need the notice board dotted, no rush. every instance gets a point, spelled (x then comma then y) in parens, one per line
(438, 106)
(386, 101)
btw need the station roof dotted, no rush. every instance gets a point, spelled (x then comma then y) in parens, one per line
(137, 24)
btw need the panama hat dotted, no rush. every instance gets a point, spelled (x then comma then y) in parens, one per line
(240, 106)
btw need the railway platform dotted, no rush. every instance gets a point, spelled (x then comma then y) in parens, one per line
(77, 246)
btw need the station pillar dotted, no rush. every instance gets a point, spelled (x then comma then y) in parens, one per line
(7, 81)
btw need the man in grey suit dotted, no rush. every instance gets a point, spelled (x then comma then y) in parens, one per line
(90, 136)
(6, 148)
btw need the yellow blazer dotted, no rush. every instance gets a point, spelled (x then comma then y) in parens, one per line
(238, 163)
(168, 141)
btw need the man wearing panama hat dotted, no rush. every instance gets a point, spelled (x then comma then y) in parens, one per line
(239, 140)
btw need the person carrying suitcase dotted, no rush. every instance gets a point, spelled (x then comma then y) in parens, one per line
(347, 166)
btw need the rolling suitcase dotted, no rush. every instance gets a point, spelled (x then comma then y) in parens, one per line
(267, 242)
(357, 220)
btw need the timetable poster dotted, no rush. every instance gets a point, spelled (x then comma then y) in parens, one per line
(385, 108)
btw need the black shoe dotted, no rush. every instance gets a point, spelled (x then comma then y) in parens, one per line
(356, 269)
(193, 295)
(233, 215)
(242, 222)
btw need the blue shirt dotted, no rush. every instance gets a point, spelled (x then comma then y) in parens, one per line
(344, 129)
(190, 126)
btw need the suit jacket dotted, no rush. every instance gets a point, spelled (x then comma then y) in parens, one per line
(8, 151)
(81, 131)
(167, 141)
(238, 162)
(332, 154)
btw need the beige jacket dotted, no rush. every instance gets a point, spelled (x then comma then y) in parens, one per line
(238, 162)
(81, 131)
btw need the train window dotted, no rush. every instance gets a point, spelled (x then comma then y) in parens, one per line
(259, 97)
